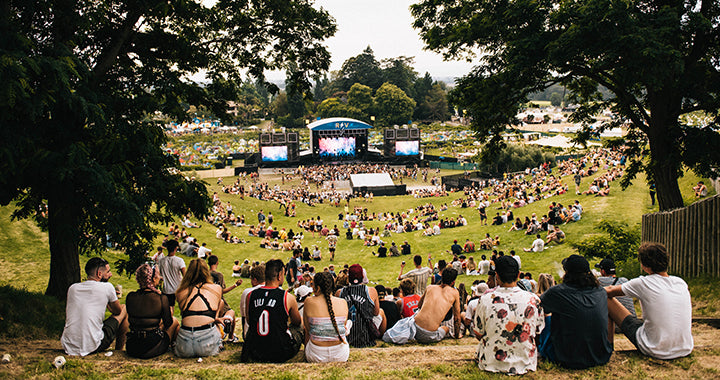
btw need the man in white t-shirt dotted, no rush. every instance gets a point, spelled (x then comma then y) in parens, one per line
(517, 258)
(172, 270)
(664, 332)
(483, 265)
(257, 279)
(85, 331)
(538, 245)
(204, 252)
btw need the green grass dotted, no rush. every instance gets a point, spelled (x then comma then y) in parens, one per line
(23, 313)
(25, 260)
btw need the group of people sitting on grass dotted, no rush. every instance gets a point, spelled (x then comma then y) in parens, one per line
(515, 319)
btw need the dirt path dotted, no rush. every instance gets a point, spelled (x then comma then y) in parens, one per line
(31, 359)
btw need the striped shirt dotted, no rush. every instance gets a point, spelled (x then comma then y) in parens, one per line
(420, 277)
(361, 310)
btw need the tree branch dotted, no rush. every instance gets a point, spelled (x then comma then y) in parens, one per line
(636, 116)
(109, 55)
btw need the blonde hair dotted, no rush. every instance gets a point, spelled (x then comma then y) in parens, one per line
(197, 273)
(545, 282)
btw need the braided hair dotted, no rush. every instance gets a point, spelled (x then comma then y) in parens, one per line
(326, 284)
(145, 277)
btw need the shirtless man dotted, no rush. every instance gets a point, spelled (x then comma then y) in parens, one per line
(434, 305)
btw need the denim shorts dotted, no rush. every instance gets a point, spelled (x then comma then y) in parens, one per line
(189, 344)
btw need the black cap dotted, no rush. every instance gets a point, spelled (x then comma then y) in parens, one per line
(381, 290)
(576, 264)
(608, 265)
(506, 264)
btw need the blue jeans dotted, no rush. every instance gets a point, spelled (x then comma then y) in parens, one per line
(544, 343)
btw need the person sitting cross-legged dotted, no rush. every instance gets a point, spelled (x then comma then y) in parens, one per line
(152, 326)
(325, 318)
(85, 331)
(368, 318)
(269, 309)
(579, 324)
(200, 302)
(507, 320)
(436, 303)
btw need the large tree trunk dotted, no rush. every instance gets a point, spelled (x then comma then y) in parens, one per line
(63, 234)
(665, 162)
(668, 191)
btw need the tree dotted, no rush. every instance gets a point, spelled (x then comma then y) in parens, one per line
(556, 99)
(435, 105)
(515, 158)
(400, 72)
(360, 97)
(321, 87)
(279, 106)
(657, 59)
(393, 105)
(79, 81)
(334, 107)
(363, 69)
(422, 87)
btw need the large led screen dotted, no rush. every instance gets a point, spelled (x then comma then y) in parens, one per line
(407, 148)
(274, 153)
(337, 147)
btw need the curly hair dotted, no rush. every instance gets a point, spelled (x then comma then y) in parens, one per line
(407, 286)
(326, 284)
(145, 275)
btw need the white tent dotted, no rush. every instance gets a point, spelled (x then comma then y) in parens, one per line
(557, 141)
(614, 132)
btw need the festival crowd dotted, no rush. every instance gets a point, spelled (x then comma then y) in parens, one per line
(290, 305)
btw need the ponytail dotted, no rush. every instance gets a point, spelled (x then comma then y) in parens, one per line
(324, 281)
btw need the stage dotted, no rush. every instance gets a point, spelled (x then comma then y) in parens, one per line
(376, 183)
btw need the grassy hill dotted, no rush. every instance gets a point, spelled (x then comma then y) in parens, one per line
(24, 267)
(25, 259)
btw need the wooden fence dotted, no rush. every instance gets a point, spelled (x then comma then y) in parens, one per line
(691, 235)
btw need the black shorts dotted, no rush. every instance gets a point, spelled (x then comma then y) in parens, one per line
(630, 326)
(109, 329)
(171, 299)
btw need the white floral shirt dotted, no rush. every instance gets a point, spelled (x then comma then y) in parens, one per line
(507, 321)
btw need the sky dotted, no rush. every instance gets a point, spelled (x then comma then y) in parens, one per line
(386, 26)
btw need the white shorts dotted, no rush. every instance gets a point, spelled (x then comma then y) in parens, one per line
(377, 320)
(322, 354)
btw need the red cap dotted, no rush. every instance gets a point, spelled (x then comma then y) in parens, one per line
(355, 273)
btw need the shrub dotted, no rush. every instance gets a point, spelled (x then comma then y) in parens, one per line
(618, 241)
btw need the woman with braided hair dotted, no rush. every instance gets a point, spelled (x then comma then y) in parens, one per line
(152, 326)
(326, 323)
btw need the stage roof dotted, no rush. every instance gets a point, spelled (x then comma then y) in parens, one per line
(337, 123)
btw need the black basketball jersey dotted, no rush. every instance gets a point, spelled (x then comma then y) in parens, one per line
(268, 339)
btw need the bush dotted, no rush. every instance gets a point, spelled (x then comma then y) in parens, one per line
(618, 241)
(515, 158)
